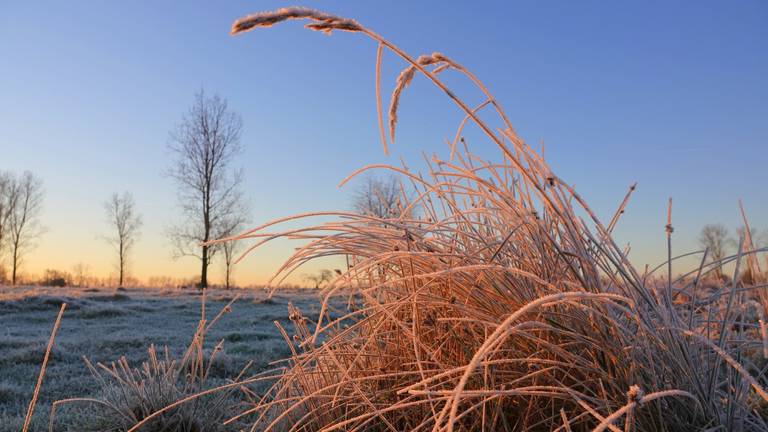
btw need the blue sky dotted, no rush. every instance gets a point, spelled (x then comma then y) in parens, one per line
(673, 95)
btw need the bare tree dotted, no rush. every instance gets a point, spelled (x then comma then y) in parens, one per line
(125, 224)
(81, 274)
(6, 181)
(382, 198)
(230, 248)
(716, 240)
(205, 143)
(25, 203)
(319, 278)
(752, 238)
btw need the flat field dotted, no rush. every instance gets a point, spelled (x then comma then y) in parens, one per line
(104, 325)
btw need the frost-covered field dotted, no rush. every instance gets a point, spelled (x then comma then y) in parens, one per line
(105, 325)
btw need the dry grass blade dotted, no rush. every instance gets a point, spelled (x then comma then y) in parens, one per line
(640, 399)
(405, 78)
(379, 113)
(36, 393)
(321, 21)
(620, 210)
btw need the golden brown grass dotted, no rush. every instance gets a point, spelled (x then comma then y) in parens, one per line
(36, 392)
(505, 306)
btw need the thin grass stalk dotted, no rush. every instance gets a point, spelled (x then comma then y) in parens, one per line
(36, 392)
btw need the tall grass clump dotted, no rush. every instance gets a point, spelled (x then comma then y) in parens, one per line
(506, 304)
(147, 397)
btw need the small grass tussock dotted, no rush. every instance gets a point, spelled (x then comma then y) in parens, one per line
(31, 353)
(147, 397)
(98, 312)
(40, 303)
(116, 297)
(129, 395)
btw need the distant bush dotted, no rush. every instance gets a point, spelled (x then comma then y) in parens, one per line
(55, 278)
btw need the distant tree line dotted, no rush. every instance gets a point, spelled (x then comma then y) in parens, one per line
(205, 146)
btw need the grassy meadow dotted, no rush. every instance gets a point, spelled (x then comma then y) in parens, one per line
(489, 297)
(105, 325)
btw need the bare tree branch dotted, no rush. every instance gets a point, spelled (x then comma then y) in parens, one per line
(716, 240)
(382, 198)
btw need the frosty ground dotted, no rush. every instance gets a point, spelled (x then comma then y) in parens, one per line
(104, 325)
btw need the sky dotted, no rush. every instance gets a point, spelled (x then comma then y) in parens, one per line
(672, 95)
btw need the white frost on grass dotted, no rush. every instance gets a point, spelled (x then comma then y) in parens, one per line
(104, 325)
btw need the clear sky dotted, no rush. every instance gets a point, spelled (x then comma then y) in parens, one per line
(671, 94)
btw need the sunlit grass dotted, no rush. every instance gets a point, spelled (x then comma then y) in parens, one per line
(498, 301)
(506, 305)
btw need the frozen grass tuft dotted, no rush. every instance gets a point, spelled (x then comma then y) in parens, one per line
(138, 397)
(506, 305)
(150, 318)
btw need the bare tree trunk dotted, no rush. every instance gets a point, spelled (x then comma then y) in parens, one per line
(204, 270)
(205, 258)
(15, 263)
(229, 249)
(122, 265)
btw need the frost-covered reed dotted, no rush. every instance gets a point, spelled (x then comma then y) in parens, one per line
(506, 305)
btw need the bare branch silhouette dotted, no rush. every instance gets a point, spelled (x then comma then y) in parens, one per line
(716, 240)
(381, 197)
